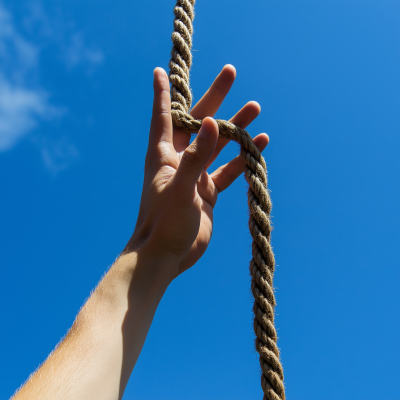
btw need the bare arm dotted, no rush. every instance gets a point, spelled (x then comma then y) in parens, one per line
(96, 357)
(173, 230)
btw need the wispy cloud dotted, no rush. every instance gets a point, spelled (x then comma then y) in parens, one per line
(71, 47)
(24, 103)
(20, 106)
(20, 111)
(58, 154)
(77, 53)
(12, 43)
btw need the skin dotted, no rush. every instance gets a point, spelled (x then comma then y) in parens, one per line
(173, 230)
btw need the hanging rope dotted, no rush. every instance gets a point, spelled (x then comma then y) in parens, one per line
(262, 264)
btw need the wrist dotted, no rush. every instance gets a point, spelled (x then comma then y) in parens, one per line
(136, 277)
(147, 265)
(149, 249)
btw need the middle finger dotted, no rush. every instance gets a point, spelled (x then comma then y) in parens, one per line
(208, 105)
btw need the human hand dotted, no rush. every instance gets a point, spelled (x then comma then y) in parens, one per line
(176, 211)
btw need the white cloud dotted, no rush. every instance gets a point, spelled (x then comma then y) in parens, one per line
(24, 105)
(71, 47)
(77, 53)
(12, 44)
(20, 106)
(20, 110)
(58, 155)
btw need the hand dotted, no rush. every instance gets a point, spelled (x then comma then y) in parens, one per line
(176, 212)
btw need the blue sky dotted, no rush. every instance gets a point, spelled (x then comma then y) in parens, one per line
(75, 107)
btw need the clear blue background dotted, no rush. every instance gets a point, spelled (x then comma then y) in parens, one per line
(326, 74)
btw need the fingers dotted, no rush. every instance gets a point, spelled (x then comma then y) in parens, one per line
(196, 155)
(161, 122)
(224, 176)
(242, 119)
(208, 105)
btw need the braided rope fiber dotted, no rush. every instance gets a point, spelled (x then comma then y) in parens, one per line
(263, 263)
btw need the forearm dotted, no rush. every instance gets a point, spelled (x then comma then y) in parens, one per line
(97, 356)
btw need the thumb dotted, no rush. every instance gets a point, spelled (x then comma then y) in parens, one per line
(198, 153)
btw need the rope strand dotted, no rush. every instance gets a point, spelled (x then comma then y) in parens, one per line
(262, 265)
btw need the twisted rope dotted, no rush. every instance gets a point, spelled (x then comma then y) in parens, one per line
(262, 264)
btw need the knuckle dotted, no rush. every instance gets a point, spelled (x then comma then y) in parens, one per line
(191, 154)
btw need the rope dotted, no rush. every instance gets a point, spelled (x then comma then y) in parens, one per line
(262, 264)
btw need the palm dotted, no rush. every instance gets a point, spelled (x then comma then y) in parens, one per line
(202, 201)
(200, 245)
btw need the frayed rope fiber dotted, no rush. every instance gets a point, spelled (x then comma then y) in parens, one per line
(262, 264)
